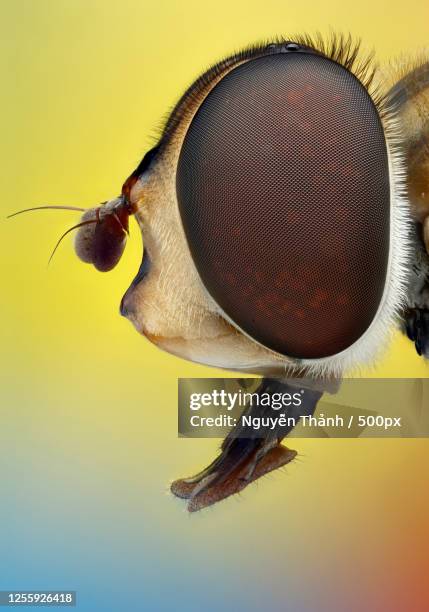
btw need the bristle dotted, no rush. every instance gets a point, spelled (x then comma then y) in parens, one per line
(346, 50)
(406, 75)
(81, 224)
(340, 48)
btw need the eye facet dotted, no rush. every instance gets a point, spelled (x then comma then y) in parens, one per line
(283, 187)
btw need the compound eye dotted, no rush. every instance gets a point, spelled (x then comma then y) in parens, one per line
(283, 188)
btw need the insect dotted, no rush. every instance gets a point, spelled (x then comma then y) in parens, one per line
(285, 220)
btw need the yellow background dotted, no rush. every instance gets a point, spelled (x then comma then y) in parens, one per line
(88, 425)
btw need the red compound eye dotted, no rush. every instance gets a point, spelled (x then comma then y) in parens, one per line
(283, 177)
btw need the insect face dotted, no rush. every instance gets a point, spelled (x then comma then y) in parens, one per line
(273, 212)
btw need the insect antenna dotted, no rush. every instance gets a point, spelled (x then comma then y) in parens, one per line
(68, 231)
(46, 208)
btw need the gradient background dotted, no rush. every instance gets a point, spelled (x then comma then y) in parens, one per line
(88, 439)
